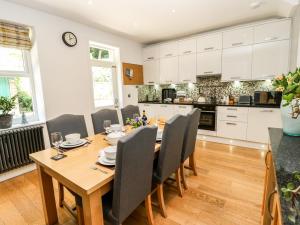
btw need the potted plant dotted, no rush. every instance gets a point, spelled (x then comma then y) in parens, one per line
(289, 85)
(6, 105)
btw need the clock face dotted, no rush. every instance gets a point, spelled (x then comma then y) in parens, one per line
(69, 39)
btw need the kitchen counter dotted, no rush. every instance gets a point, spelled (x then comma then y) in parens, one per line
(217, 104)
(286, 157)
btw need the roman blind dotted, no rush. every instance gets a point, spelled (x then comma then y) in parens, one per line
(15, 36)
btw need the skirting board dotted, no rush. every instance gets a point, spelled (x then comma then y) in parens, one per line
(227, 141)
(17, 172)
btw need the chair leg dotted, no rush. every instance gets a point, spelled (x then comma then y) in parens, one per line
(80, 218)
(61, 194)
(148, 205)
(178, 181)
(183, 176)
(192, 163)
(161, 201)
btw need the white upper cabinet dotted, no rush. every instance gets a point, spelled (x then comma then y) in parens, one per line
(169, 70)
(187, 46)
(238, 37)
(273, 31)
(169, 49)
(187, 68)
(209, 42)
(151, 72)
(209, 63)
(237, 63)
(150, 53)
(270, 59)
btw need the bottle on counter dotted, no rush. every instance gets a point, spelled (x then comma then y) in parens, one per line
(144, 118)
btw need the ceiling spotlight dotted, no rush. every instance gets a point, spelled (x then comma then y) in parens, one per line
(255, 4)
(90, 2)
(173, 11)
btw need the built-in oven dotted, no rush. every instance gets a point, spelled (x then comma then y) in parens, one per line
(207, 119)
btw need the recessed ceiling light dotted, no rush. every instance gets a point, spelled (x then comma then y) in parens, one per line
(255, 4)
(90, 2)
(173, 11)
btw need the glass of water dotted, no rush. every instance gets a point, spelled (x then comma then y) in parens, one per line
(57, 140)
(106, 125)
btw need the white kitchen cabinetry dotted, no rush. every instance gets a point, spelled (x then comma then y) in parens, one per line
(187, 46)
(169, 49)
(238, 37)
(182, 109)
(237, 63)
(165, 111)
(150, 53)
(270, 59)
(274, 31)
(151, 110)
(151, 72)
(259, 120)
(169, 70)
(210, 42)
(187, 68)
(209, 63)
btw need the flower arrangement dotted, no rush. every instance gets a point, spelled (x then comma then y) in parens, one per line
(135, 123)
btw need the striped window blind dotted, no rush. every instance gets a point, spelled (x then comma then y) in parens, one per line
(15, 36)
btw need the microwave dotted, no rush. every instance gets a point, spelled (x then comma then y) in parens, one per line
(267, 98)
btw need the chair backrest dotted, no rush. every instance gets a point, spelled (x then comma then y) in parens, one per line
(171, 146)
(67, 124)
(128, 111)
(101, 115)
(133, 173)
(190, 135)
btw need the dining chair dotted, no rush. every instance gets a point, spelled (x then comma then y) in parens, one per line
(128, 111)
(67, 124)
(189, 142)
(169, 157)
(101, 115)
(133, 177)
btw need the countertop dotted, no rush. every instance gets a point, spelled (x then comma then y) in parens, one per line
(216, 104)
(286, 156)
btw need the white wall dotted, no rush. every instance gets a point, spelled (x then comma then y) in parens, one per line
(65, 72)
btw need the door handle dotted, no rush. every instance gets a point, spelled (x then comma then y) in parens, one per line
(209, 48)
(208, 72)
(271, 38)
(266, 159)
(233, 124)
(237, 43)
(150, 58)
(230, 116)
(187, 52)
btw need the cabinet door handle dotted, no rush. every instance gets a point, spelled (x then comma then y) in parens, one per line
(233, 78)
(271, 38)
(208, 72)
(269, 203)
(182, 107)
(186, 80)
(266, 160)
(237, 43)
(233, 124)
(150, 58)
(208, 48)
(168, 55)
(267, 110)
(232, 109)
(230, 116)
(150, 82)
(187, 52)
(267, 76)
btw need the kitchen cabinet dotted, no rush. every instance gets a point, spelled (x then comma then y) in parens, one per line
(235, 114)
(259, 120)
(187, 68)
(169, 70)
(151, 53)
(182, 109)
(237, 63)
(210, 42)
(165, 111)
(273, 31)
(187, 46)
(238, 37)
(151, 110)
(209, 63)
(151, 72)
(168, 49)
(270, 59)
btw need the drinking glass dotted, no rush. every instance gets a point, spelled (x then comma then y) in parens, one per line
(57, 140)
(106, 125)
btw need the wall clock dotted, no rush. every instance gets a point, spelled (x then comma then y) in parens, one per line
(69, 39)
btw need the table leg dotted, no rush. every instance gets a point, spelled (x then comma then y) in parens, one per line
(92, 209)
(48, 199)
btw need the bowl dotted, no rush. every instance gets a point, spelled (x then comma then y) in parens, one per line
(110, 152)
(116, 127)
(72, 138)
(159, 134)
(114, 137)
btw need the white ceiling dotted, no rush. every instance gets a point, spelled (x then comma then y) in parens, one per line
(149, 21)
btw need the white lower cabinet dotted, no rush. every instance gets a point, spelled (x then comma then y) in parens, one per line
(259, 120)
(182, 109)
(232, 130)
(150, 109)
(165, 111)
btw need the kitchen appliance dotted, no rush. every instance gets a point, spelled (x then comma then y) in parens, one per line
(245, 100)
(181, 95)
(207, 119)
(267, 98)
(168, 94)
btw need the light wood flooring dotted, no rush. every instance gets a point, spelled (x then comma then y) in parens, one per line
(227, 191)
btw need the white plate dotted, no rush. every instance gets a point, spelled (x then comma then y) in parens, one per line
(67, 145)
(102, 150)
(104, 161)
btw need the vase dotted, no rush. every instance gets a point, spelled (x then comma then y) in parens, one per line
(291, 117)
(6, 121)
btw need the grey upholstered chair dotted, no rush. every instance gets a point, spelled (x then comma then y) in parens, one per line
(189, 142)
(67, 124)
(133, 176)
(128, 111)
(101, 115)
(169, 157)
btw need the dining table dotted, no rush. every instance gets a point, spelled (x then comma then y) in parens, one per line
(80, 173)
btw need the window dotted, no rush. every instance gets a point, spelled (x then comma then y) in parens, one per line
(16, 80)
(103, 68)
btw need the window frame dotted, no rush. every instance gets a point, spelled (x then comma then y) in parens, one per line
(28, 72)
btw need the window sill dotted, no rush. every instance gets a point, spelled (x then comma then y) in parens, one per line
(15, 126)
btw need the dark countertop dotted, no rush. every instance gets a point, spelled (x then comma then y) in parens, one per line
(286, 157)
(216, 104)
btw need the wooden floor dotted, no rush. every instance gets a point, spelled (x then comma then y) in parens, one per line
(227, 191)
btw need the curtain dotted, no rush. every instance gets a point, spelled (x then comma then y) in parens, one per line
(4, 87)
(15, 36)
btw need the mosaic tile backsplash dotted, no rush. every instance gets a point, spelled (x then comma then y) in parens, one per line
(208, 86)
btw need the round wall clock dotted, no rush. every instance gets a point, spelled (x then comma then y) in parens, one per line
(69, 39)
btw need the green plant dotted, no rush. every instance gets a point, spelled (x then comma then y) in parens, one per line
(135, 123)
(25, 101)
(289, 85)
(7, 104)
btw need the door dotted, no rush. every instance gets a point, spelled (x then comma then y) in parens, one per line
(209, 63)
(238, 37)
(169, 70)
(187, 68)
(210, 42)
(151, 72)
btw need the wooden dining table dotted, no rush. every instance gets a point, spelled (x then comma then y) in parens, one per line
(78, 172)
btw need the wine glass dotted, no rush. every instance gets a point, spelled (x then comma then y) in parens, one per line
(106, 125)
(57, 140)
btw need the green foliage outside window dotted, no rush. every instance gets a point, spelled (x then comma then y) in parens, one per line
(96, 52)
